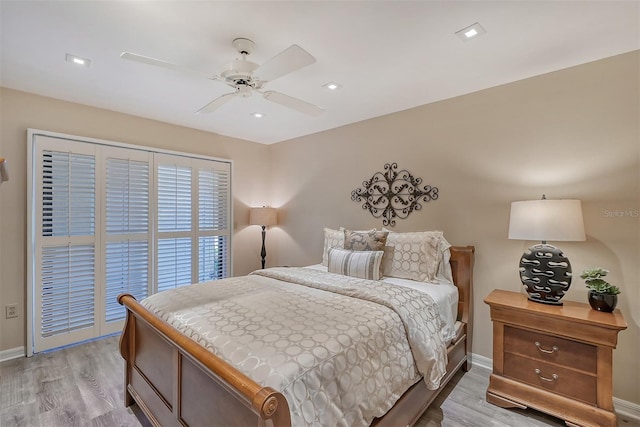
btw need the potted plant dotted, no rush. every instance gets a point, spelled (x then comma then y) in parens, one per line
(603, 296)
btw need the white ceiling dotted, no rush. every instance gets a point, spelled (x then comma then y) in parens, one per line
(388, 55)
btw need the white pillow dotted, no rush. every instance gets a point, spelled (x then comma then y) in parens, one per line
(332, 239)
(415, 256)
(444, 268)
(362, 264)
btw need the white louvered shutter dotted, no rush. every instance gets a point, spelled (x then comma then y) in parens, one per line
(65, 273)
(194, 216)
(127, 217)
(175, 218)
(214, 191)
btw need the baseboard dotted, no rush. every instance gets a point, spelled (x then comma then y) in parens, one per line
(481, 361)
(12, 353)
(625, 410)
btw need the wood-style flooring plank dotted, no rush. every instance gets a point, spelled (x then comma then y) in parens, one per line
(92, 379)
(76, 386)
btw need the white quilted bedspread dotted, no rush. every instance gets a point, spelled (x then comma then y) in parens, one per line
(342, 350)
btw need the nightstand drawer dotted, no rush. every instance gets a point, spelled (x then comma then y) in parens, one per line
(551, 349)
(553, 378)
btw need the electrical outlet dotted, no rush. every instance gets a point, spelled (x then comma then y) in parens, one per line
(11, 311)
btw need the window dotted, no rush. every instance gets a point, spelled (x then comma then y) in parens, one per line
(107, 219)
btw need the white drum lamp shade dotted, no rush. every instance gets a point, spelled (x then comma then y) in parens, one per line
(547, 220)
(263, 216)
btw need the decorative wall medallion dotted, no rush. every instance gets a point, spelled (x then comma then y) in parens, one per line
(393, 194)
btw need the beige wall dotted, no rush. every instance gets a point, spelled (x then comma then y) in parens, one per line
(568, 134)
(20, 111)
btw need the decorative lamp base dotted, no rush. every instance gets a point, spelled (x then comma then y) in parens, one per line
(545, 273)
(263, 252)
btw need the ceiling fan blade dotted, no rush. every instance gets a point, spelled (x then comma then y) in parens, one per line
(291, 59)
(294, 103)
(164, 64)
(217, 103)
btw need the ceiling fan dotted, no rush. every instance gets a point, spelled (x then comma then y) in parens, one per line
(246, 77)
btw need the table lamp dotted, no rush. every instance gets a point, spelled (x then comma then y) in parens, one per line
(545, 271)
(264, 217)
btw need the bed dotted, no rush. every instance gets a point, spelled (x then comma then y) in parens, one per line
(177, 379)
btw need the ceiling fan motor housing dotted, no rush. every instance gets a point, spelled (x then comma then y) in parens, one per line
(240, 72)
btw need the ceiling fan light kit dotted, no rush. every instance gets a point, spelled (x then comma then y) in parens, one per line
(246, 77)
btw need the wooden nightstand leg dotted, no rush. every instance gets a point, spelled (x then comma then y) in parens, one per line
(502, 402)
(605, 378)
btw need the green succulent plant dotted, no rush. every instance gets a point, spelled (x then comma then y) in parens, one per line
(594, 281)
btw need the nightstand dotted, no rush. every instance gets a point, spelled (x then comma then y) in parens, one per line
(556, 359)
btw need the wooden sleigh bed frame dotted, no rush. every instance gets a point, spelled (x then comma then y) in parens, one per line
(175, 381)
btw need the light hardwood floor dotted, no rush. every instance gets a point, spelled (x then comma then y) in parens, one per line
(82, 386)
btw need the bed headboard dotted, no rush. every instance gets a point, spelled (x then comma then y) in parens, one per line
(462, 259)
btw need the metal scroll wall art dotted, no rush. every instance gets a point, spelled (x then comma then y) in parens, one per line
(393, 194)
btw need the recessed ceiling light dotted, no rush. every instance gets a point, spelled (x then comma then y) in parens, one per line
(78, 60)
(257, 115)
(471, 32)
(332, 86)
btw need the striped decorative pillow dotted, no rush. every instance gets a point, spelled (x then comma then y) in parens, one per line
(362, 264)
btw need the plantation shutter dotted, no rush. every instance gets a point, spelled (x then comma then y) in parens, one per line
(194, 216)
(213, 221)
(127, 216)
(66, 232)
(175, 212)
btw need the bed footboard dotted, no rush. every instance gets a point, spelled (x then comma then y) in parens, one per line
(167, 375)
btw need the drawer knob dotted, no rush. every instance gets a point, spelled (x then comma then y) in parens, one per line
(554, 349)
(553, 378)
